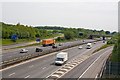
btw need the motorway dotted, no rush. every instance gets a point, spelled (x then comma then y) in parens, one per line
(6, 55)
(43, 66)
(91, 67)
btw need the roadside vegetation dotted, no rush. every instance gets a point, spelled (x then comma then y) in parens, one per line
(103, 47)
(25, 33)
(110, 42)
(115, 56)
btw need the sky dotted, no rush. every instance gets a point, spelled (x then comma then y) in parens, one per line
(88, 14)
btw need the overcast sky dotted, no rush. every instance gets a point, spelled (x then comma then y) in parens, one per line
(89, 14)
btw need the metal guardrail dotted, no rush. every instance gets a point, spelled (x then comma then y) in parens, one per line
(99, 76)
(30, 56)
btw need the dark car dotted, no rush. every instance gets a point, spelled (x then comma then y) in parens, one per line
(39, 50)
(103, 41)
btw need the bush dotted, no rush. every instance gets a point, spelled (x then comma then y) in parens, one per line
(111, 41)
(116, 51)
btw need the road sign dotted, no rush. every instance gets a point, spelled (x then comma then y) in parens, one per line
(38, 40)
(14, 37)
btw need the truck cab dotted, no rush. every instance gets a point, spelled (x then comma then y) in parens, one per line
(61, 58)
(89, 45)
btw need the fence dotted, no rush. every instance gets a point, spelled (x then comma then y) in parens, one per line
(111, 70)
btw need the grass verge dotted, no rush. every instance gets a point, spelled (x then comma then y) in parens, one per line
(35, 44)
(9, 41)
(104, 46)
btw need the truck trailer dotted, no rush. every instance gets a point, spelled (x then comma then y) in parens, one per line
(48, 42)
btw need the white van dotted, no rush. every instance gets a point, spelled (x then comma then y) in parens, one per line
(61, 58)
(89, 45)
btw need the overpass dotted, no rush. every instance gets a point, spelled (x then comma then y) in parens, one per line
(91, 36)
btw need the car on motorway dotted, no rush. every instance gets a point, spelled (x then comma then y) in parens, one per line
(60, 44)
(80, 47)
(94, 42)
(89, 45)
(23, 51)
(54, 46)
(83, 41)
(103, 41)
(39, 50)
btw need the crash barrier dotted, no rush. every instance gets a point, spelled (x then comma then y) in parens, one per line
(100, 74)
(110, 70)
(30, 56)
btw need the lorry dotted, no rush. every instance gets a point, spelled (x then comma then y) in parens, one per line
(89, 45)
(48, 42)
(61, 58)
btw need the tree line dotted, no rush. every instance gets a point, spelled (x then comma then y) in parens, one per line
(22, 31)
(29, 32)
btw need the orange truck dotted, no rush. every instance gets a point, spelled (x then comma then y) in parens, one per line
(48, 42)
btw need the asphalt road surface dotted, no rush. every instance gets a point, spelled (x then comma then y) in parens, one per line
(6, 55)
(43, 66)
(91, 67)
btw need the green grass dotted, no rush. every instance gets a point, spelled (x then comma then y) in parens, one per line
(9, 41)
(103, 47)
(35, 44)
(115, 56)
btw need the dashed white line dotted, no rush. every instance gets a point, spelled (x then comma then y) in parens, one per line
(27, 61)
(92, 64)
(96, 76)
(27, 76)
(11, 74)
(43, 67)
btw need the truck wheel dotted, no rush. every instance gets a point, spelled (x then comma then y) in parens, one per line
(44, 45)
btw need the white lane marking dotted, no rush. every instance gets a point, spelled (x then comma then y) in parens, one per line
(27, 61)
(69, 63)
(32, 60)
(27, 76)
(11, 74)
(64, 69)
(93, 64)
(43, 67)
(55, 75)
(60, 72)
(96, 76)
(31, 66)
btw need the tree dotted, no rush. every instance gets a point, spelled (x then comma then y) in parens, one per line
(68, 35)
(107, 32)
(116, 51)
(37, 35)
